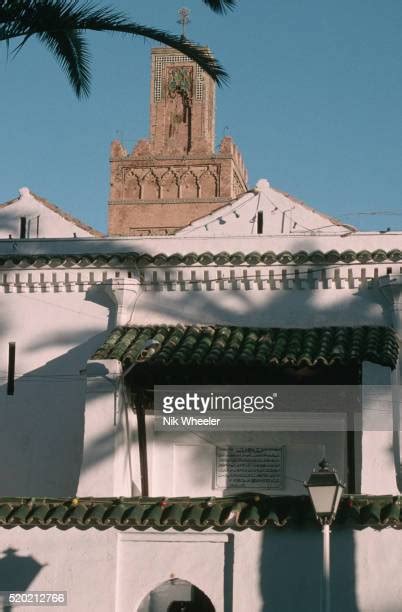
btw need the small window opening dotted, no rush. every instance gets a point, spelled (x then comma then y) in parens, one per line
(260, 221)
(23, 227)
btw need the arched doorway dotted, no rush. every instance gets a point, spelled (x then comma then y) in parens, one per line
(176, 596)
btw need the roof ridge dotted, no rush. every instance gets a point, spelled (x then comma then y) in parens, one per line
(333, 220)
(67, 216)
(60, 211)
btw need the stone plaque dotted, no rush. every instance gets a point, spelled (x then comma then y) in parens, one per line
(249, 467)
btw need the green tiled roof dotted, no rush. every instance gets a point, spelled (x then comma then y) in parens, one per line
(198, 345)
(205, 259)
(240, 512)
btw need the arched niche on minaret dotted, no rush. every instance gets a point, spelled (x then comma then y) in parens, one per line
(208, 185)
(132, 187)
(169, 186)
(150, 187)
(188, 186)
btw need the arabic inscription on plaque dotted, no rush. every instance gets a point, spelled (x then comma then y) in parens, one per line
(249, 467)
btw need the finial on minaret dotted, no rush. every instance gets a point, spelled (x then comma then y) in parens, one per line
(184, 19)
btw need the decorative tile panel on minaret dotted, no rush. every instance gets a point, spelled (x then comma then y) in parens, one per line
(175, 176)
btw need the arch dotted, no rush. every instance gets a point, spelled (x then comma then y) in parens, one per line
(208, 185)
(150, 187)
(176, 595)
(169, 186)
(132, 188)
(188, 186)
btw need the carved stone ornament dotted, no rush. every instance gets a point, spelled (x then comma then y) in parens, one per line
(180, 81)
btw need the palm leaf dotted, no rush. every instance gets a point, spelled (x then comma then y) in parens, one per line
(59, 25)
(71, 51)
(96, 19)
(220, 6)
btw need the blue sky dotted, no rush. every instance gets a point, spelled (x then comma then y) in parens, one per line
(314, 103)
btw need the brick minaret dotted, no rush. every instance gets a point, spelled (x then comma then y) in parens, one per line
(175, 176)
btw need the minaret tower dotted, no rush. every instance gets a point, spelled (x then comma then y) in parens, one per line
(175, 176)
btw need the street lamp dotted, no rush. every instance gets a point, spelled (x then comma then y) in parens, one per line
(325, 490)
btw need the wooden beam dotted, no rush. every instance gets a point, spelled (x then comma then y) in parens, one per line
(139, 406)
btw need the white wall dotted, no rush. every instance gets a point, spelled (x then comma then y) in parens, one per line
(263, 571)
(83, 563)
(280, 212)
(380, 443)
(188, 243)
(42, 424)
(175, 457)
(59, 316)
(146, 560)
(58, 322)
(51, 224)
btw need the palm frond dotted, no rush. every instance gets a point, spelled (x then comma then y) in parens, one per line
(220, 6)
(89, 17)
(59, 25)
(201, 55)
(71, 51)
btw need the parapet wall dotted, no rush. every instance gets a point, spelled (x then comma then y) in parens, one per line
(228, 148)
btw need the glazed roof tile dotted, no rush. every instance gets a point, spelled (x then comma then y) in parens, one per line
(211, 345)
(252, 511)
(205, 258)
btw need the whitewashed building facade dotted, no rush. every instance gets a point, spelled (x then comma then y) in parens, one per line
(31, 216)
(124, 518)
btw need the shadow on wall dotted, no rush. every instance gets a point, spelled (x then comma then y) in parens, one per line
(42, 424)
(16, 574)
(291, 559)
(291, 566)
(42, 427)
(41, 435)
(277, 307)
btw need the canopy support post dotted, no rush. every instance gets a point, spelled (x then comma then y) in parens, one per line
(138, 406)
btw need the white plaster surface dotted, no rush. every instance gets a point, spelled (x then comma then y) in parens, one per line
(188, 243)
(281, 214)
(65, 431)
(248, 570)
(51, 224)
(83, 563)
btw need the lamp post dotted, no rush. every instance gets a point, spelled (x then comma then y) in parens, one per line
(325, 490)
